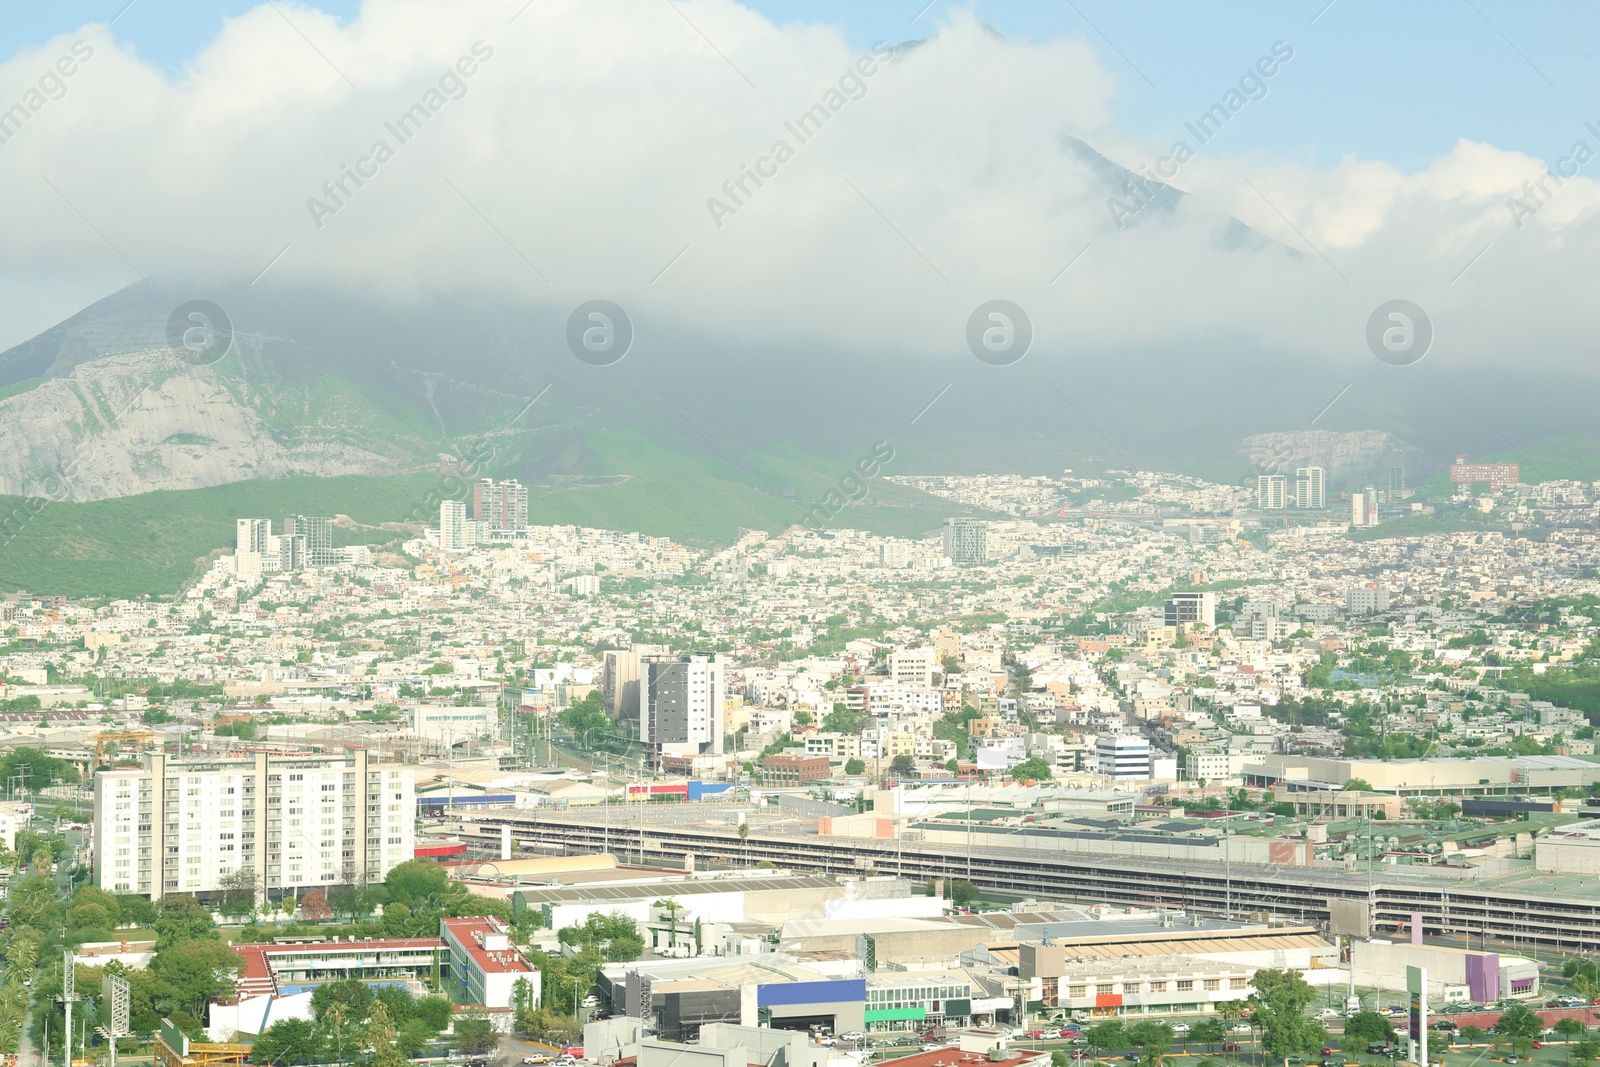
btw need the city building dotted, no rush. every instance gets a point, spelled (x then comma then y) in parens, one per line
(1123, 757)
(1366, 599)
(1397, 480)
(454, 725)
(1364, 508)
(1271, 490)
(965, 540)
(913, 666)
(795, 770)
(1189, 609)
(500, 505)
(1310, 487)
(681, 701)
(454, 533)
(484, 966)
(294, 823)
(619, 681)
(1497, 475)
(306, 541)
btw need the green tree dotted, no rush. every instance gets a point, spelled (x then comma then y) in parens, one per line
(902, 766)
(1519, 1026)
(1209, 1031)
(200, 971)
(1032, 769)
(1280, 1000)
(1470, 1035)
(1366, 1028)
(1154, 1040)
(474, 1036)
(289, 1042)
(182, 918)
(855, 766)
(380, 1036)
(1107, 1035)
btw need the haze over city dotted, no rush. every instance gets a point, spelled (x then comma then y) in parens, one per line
(590, 534)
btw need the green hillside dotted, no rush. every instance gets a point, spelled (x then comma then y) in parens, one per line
(152, 543)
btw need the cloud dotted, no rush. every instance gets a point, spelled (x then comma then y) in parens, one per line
(582, 156)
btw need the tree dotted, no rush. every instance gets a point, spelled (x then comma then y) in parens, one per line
(855, 766)
(1470, 1034)
(289, 1042)
(200, 971)
(314, 907)
(1519, 1026)
(1570, 1029)
(238, 891)
(962, 892)
(1280, 1000)
(379, 1035)
(1366, 1028)
(1358, 785)
(419, 884)
(1586, 1050)
(1209, 1031)
(182, 918)
(1154, 1040)
(902, 766)
(1032, 769)
(1107, 1035)
(474, 1036)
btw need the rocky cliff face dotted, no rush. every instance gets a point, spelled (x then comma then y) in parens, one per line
(143, 421)
(1358, 458)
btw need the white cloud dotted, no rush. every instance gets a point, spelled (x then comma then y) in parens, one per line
(593, 137)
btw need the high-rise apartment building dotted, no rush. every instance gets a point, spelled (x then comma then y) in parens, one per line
(681, 701)
(966, 540)
(252, 535)
(1271, 490)
(453, 528)
(619, 681)
(1310, 487)
(306, 541)
(296, 823)
(500, 505)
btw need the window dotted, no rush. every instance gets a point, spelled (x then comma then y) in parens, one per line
(1237, 983)
(1103, 989)
(1185, 985)
(1077, 992)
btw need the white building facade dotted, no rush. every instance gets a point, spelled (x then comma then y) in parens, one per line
(295, 823)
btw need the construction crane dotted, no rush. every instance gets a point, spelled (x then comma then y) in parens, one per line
(101, 740)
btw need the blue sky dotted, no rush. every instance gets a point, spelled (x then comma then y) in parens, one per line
(1400, 82)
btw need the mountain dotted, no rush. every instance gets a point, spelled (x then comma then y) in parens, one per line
(691, 435)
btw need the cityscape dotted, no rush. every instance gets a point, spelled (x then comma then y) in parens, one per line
(725, 533)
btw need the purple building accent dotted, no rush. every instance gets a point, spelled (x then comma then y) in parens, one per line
(1416, 928)
(1483, 977)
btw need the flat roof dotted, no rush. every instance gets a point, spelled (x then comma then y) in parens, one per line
(679, 887)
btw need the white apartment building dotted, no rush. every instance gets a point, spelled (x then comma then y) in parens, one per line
(1123, 757)
(913, 666)
(183, 825)
(455, 534)
(681, 700)
(1310, 487)
(1271, 491)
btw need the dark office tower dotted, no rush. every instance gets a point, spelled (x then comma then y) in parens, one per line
(1397, 478)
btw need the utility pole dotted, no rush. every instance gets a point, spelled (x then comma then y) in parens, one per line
(68, 995)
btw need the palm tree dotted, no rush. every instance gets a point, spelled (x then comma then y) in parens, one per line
(744, 841)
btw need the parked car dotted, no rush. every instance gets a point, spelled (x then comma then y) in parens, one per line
(1328, 1052)
(1327, 1013)
(1080, 1054)
(1180, 1028)
(1034, 1035)
(1240, 1028)
(1230, 1046)
(1377, 1050)
(1443, 1024)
